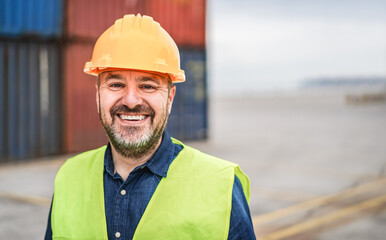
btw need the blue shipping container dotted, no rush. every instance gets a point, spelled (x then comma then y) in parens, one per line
(2, 101)
(41, 18)
(189, 117)
(30, 99)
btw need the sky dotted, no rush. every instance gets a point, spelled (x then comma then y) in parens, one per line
(275, 45)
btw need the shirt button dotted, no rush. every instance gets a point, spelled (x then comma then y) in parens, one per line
(117, 234)
(123, 192)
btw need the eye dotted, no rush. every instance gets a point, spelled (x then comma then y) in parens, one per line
(148, 88)
(116, 85)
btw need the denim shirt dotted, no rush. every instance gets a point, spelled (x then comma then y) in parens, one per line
(126, 201)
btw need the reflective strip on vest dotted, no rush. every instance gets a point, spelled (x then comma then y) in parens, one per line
(193, 202)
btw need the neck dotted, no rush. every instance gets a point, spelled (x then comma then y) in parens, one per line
(124, 165)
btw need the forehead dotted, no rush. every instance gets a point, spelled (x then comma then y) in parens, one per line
(137, 75)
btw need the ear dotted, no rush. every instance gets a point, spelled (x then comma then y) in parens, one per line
(172, 93)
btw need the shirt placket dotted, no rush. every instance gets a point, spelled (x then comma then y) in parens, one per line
(121, 205)
(121, 211)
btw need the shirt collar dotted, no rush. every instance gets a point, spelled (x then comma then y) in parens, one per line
(158, 164)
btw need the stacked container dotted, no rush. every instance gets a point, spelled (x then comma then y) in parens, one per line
(48, 104)
(30, 74)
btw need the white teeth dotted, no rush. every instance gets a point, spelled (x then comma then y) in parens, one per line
(129, 117)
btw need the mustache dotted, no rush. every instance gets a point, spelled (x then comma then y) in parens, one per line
(137, 109)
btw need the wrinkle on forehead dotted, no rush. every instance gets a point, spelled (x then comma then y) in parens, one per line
(113, 75)
(147, 76)
(162, 75)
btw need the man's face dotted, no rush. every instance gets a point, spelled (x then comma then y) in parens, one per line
(134, 107)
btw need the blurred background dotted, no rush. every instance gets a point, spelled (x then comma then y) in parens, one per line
(292, 91)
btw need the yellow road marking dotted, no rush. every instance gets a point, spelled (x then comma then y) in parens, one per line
(41, 201)
(317, 202)
(335, 216)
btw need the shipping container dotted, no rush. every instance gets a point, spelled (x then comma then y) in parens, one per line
(189, 116)
(2, 101)
(88, 19)
(30, 99)
(48, 103)
(184, 20)
(83, 130)
(38, 18)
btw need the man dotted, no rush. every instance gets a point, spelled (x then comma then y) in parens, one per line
(144, 184)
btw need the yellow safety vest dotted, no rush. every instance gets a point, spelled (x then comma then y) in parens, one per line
(193, 202)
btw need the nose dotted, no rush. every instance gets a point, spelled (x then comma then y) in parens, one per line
(132, 96)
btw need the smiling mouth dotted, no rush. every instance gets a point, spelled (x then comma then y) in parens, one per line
(132, 117)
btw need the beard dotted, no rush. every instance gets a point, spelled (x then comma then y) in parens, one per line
(134, 141)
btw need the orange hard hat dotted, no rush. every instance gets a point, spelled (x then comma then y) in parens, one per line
(137, 43)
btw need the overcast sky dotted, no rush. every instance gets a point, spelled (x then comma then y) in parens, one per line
(268, 45)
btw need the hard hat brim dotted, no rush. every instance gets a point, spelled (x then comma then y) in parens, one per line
(95, 71)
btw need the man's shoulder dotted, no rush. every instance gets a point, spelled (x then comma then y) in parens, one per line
(88, 154)
(81, 160)
(207, 157)
(203, 163)
(204, 159)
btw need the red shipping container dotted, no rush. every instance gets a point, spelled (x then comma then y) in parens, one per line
(184, 20)
(82, 128)
(88, 19)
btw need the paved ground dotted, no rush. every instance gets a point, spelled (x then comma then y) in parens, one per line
(316, 164)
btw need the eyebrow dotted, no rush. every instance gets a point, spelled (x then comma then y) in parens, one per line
(156, 78)
(146, 79)
(114, 76)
